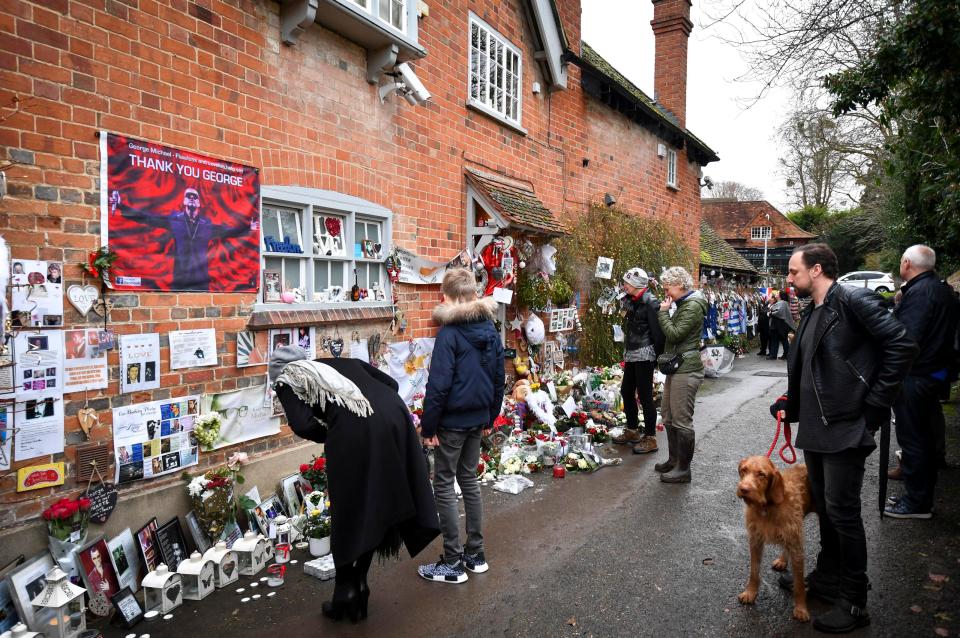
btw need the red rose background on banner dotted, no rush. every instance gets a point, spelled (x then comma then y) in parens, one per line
(179, 220)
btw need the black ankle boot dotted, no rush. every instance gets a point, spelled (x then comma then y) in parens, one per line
(671, 461)
(347, 600)
(686, 440)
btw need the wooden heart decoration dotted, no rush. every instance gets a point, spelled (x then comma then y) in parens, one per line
(103, 500)
(89, 419)
(173, 592)
(83, 298)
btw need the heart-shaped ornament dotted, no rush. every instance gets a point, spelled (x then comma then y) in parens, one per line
(228, 568)
(83, 298)
(336, 347)
(173, 592)
(89, 419)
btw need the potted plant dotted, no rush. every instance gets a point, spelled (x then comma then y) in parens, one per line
(317, 531)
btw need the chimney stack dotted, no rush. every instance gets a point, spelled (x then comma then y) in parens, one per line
(671, 29)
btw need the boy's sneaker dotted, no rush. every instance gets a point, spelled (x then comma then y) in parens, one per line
(477, 563)
(903, 510)
(443, 572)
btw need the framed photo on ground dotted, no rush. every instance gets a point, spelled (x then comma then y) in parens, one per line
(8, 611)
(292, 490)
(127, 606)
(23, 585)
(98, 575)
(268, 509)
(171, 543)
(200, 539)
(126, 559)
(148, 545)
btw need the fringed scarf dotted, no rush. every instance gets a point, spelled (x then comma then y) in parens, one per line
(315, 384)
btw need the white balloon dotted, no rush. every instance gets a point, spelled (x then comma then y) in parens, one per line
(534, 330)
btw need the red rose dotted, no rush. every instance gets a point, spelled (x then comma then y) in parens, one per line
(320, 464)
(47, 515)
(304, 467)
(479, 467)
(84, 503)
(307, 489)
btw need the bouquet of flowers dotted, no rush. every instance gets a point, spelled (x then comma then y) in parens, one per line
(315, 472)
(579, 462)
(488, 465)
(416, 409)
(598, 432)
(531, 463)
(575, 420)
(317, 525)
(100, 262)
(206, 429)
(67, 519)
(511, 465)
(212, 496)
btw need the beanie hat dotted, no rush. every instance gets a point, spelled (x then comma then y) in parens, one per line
(281, 357)
(636, 277)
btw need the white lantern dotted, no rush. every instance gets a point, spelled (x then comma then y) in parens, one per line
(162, 590)
(253, 552)
(20, 631)
(284, 530)
(66, 600)
(197, 574)
(227, 566)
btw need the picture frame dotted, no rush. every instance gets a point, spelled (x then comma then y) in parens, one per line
(251, 348)
(271, 286)
(260, 515)
(98, 574)
(292, 490)
(9, 616)
(127, 606)
(171, 543)
(147, 545)
(126, 559)
(25, 583)
(200, 539)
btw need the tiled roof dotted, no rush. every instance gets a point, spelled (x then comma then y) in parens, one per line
(732, 219)
(717, 253)
(516, 203)
(594, 61)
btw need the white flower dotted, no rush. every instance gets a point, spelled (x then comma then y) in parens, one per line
(582, 464)
(197, 486)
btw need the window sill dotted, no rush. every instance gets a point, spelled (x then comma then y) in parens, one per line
(496, 117)
(675, 189)
(290, 315)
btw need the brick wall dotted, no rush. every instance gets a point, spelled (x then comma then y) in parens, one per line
(212, 76)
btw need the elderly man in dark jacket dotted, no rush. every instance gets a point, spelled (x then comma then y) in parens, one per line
(929, 310)
(845, 371)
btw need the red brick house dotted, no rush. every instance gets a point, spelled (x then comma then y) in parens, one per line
(312, 94)
(752, 226)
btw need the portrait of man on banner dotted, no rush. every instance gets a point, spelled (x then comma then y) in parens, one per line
(178, 220)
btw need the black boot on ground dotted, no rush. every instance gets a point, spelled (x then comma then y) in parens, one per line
(671, 461)
(686, 439)
(347, 601)
(843, 618)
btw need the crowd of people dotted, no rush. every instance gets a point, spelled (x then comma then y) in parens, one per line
(851, 362)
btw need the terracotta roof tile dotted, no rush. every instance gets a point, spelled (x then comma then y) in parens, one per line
(732, 219)
(516, 203)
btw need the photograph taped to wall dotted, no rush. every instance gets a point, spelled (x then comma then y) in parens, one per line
(154, 438)
(37, 292)
(252, 348)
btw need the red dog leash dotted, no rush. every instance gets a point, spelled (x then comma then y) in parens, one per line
(788, 445)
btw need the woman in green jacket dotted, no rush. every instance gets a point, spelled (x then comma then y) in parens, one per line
(682, 332)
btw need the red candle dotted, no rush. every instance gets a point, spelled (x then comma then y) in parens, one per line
(559, 471)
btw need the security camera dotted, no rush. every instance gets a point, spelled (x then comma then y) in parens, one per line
(708, 182)
(413, 83)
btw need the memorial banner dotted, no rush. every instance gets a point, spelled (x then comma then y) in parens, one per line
(178, 220)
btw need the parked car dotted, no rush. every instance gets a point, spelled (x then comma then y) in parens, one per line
(872, 279)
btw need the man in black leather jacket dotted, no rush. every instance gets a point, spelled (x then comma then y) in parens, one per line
(845, 370)
(929, 310)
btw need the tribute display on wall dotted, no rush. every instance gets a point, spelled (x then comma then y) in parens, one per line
(6, 437)
(252, 348)
(409, 363)
(193, 348)
(85, 361)
(417, 270)
(178, 220)
(151, 439)
(139, 362)
(39, 427)
(244, 413)
(39, 364)
(37, 292)
(304, 337)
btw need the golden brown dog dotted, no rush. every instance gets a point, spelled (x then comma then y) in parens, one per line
(776, 503)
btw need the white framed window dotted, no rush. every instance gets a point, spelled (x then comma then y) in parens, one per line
(315, 241)
(393, 12)
(363, 4)
(495, 72)
(672, 168)
(760, 232)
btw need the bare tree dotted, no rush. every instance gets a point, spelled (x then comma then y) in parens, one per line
(732, 190)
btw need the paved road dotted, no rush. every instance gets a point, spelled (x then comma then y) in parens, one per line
(617, 553)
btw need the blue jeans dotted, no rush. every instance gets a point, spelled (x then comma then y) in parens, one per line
(458, 457)
(919, 416)
(835, 483)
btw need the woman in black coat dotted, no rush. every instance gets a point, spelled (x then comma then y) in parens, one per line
(380, 495)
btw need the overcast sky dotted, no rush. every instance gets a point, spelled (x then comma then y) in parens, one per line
(744, 138)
